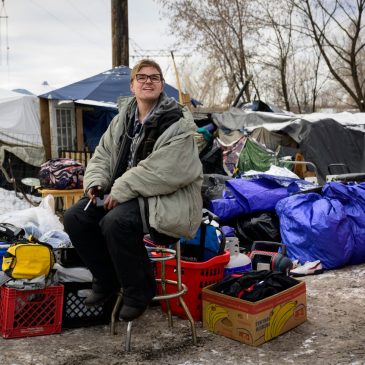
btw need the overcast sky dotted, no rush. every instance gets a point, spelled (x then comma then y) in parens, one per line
(63, 41)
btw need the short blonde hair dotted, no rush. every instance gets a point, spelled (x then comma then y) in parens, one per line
(145, 63)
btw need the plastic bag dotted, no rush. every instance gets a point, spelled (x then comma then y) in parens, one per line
(257, 195)
(43, 216)
(56, 238)
(315, 228)
(348, 195)
(258, 227)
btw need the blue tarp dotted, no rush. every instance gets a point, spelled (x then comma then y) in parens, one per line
(107, 86)
(352, 197)
(316, 228)
(95, 124)
(248, 196)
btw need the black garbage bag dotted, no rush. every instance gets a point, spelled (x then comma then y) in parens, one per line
(211, 158)
(213, 187)
(257, 227)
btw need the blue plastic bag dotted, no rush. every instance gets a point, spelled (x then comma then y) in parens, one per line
(315, 228)
(352, 197)
(257, 195)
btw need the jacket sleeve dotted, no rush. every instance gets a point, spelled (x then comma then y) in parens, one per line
(167, 169)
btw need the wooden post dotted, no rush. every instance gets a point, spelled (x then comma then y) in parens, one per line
(120, 41)
(45, 126)
(79, 129)
(184, 98)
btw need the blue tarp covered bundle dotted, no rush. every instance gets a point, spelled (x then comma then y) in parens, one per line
(352, 197)
(329, 227)
(316, 227)
(247, 196)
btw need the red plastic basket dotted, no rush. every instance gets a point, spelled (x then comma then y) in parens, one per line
(30, 312)
(196, 276)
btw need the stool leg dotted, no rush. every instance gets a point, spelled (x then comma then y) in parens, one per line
(115, 311)
(163, 287)
(191, 320)
(182, 302)
(128, 337)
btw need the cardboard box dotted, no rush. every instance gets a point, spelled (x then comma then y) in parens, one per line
(254, 323)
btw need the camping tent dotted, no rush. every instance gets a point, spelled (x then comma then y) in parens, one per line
(20, 132)
(21, 147)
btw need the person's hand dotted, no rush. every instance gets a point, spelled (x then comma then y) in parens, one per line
(110, 203)
(95, 191)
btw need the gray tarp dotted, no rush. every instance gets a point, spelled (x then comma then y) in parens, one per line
(20, 131)
(323, 138)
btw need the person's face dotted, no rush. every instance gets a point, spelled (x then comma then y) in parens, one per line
(147, 89)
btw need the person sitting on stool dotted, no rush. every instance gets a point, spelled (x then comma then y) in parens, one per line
(147, 165)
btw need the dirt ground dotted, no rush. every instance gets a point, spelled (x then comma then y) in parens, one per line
(333, 334)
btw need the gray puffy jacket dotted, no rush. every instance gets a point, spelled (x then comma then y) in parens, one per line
(170, 177)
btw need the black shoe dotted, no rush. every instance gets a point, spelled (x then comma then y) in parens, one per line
(128, 313)
(96, 299)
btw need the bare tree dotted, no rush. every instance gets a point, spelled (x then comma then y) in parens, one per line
(222, 30)
(337, 28)
(276, 34)
(308, 77)
(205, 83)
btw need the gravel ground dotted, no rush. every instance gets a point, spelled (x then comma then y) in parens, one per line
(333, 334)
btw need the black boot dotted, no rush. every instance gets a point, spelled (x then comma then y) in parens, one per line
(128, 313)
(96, 299)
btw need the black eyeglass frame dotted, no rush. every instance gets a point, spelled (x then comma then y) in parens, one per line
(146, 77)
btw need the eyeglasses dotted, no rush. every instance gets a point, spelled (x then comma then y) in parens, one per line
(154, 78)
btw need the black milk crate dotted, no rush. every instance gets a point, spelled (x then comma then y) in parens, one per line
(76, 314)
(68, 257)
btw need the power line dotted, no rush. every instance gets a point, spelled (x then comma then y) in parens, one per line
(74, 30)
(157, 55)
(140, 52)
(86, 17)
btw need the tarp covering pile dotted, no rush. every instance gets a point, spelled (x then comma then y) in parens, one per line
(325, 222)
(322, 138)
(20, 132)
(328, 227)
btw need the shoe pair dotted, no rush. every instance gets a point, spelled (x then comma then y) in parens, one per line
(309, 268)
(127, 313)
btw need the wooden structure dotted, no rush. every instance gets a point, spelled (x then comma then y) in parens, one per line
(69, 197)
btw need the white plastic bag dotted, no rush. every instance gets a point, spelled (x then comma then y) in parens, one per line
(43, 216)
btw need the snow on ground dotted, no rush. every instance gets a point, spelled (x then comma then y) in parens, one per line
(9, 201)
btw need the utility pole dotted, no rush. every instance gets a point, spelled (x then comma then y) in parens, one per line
(120, 41)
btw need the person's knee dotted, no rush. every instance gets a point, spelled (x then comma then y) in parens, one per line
(74, 218)
(121, 219)
(68, 219)
(111, 222)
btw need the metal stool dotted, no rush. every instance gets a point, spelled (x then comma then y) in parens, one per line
(162, 254)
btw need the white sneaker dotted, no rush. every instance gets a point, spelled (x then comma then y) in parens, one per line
(309, 268)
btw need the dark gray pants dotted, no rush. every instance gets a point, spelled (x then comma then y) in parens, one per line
(110, 243)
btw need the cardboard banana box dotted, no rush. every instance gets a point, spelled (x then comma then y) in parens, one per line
(258, 322)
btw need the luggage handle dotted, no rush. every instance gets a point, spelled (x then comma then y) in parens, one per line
(268, 246)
